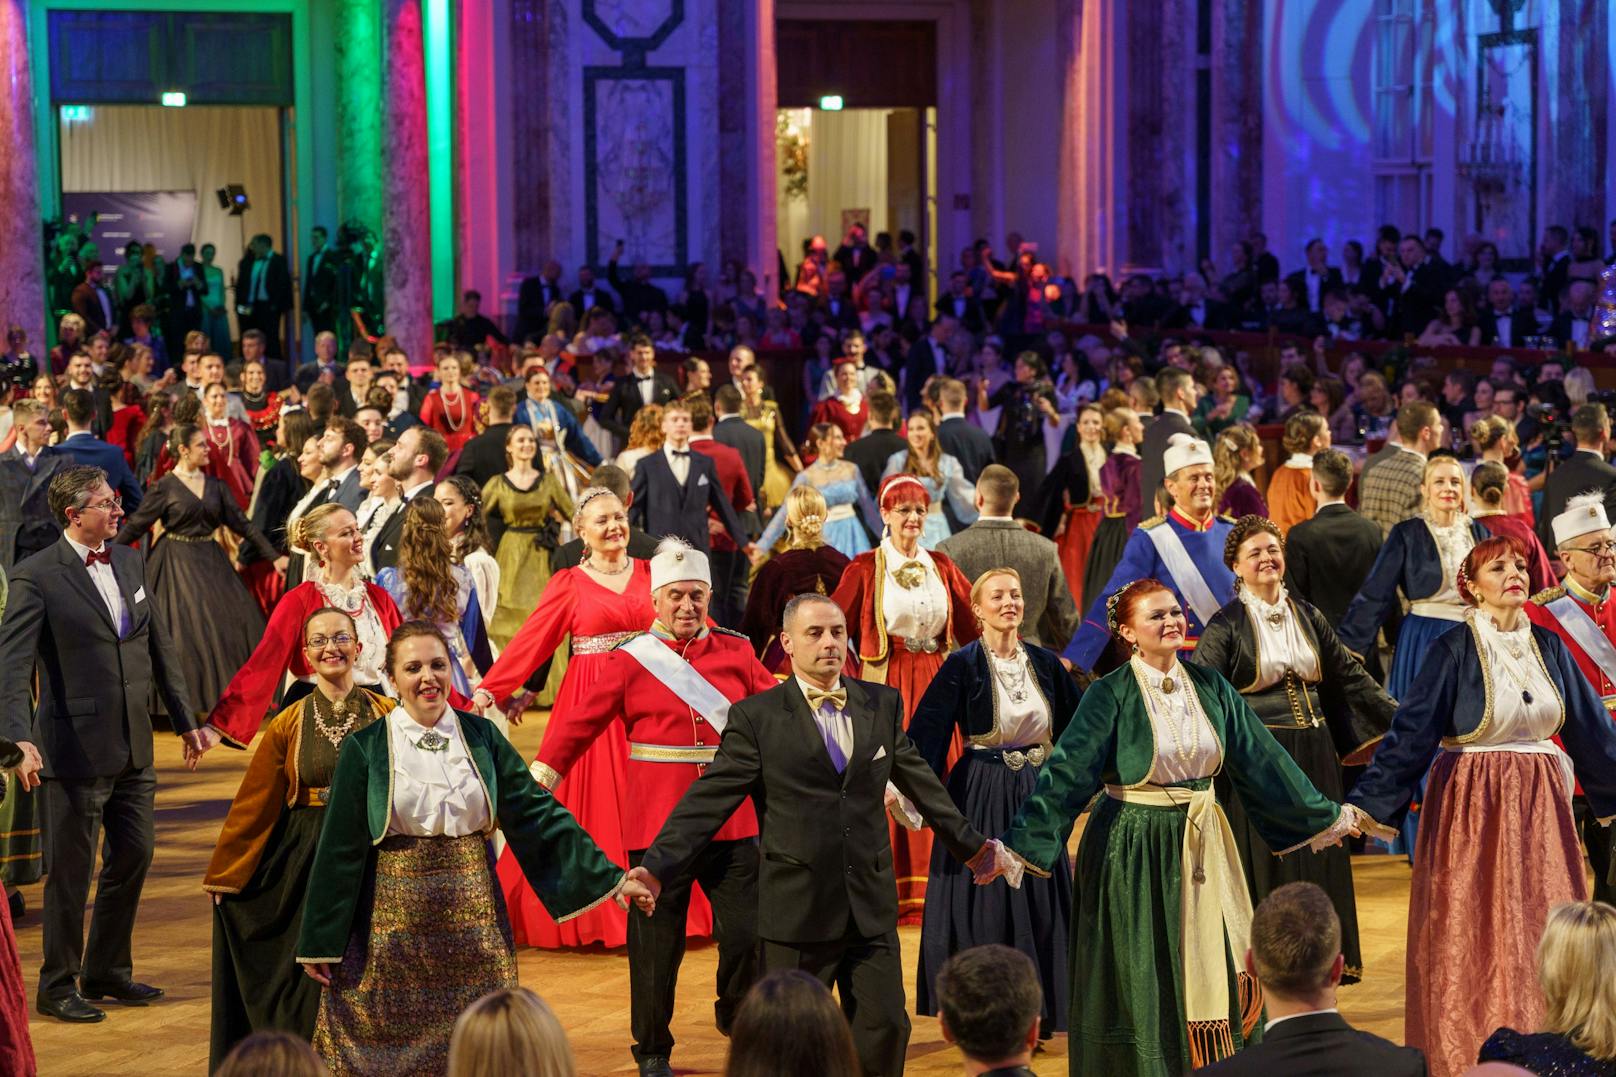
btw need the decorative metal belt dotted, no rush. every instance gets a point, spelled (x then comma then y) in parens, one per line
(917, 646)
(599, 644)
(1016, 758)
(669, 753)
(1300, 696)
(187, 538)
(313, 797)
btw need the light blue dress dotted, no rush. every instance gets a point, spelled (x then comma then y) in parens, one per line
(961, 496)
(849, 504)
(467, 636)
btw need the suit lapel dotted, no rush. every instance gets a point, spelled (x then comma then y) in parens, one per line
(809, 731)
(861, 712)
(78, 577)
(129, 584)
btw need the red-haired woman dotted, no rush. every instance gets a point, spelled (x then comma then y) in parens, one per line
(1161, 911)
(1498, 846)
(906, 607)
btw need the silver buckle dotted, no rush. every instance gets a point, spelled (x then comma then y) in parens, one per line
(1015, 758)
(916, 646)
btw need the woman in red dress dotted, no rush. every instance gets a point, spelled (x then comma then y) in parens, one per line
(906, 607)
(232, 446)
(263, 404)
(847, 409)
(451, 409)
(600, 603)
(1083, 520)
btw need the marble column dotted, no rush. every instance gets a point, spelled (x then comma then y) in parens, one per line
(746, 107)
(22, 279)
(541, 131)
(1575, 150)
(406, 211)
(360, 164)
(1237, 126)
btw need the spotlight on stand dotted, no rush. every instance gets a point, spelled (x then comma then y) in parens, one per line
(233, 199)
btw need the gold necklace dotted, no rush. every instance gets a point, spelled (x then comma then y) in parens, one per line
(589, 563)
(344, 718)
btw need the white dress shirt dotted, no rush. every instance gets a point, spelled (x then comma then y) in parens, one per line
(435, 793)
(1293, 1016)
(1281, 648)
(918, 612)
(106, 584)
(1186, 746)
(646, 386)
(835, 727)
(678, 464)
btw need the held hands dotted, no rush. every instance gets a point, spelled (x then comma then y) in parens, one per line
(994, 860)
(197, 743)
(32, 763)
(642, 888)
(319, 972)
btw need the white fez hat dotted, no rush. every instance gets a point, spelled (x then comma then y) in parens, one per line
(1583, 513)
(1183, 450)
(677, 561)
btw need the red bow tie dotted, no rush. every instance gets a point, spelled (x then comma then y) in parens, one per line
(93, 557)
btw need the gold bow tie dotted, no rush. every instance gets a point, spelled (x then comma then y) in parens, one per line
(836, 697)
(910, 575)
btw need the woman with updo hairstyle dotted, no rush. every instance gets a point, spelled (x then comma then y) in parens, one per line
(210, 615)
(1313, 696)
(1235, 455)
(599, 603)
(409, 929)
(1161, 912)
(1574, 962)
(328, 537)
(510, 1031)
(907, 607)
(1498, 844)
(1290, 491)
(427, 585)
(849, 517)
(1489, 490)
(1495, 440)
(259, 872)
(807, 565)
(1008, 701)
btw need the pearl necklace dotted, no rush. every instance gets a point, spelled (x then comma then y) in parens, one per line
(448, 416)
(589, 563)
(1180, 725)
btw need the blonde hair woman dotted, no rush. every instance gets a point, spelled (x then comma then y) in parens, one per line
(510, 1031)
(1235, 455)
(808, 564)
(1495, 440)
(644, 437)
(1574, 963)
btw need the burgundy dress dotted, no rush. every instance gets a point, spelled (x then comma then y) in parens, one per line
(1242, 498)
(782, 578)
(1538, 569)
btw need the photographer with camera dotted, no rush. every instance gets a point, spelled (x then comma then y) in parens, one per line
(1586, 469)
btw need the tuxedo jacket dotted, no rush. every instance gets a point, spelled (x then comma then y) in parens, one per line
(926, 358)
(625, 401)
(384, 547)
(972, 447)
(872, 451)
(1328, 558)
(1298, 282)
(347, 493)
(91, 450)
(1582, 472)
(744, 438)
(1321, 1045)
(93, 715)
(320, 286)
(967, 309)
(26, 523)
(483, 456)
(1522, 324)
(662, 507)
(827, 856)
(277, 281)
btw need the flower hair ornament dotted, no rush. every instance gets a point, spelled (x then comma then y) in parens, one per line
(1461, 583)
(1111, 609)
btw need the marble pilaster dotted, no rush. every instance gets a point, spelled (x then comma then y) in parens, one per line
(22, 282)
(406, 212)
(541, 135)
(357, 40)
(1237, 125)
(1575, 151)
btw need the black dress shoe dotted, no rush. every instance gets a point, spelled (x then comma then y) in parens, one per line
(130, 994)
(70, 1008)
(655, 1066)
(18, 905)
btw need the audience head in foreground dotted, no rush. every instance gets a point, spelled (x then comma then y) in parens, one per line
(509, 1031)
(988, 1002)
(272, 1054)
(789, 1026)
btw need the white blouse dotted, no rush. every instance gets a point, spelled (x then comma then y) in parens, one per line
(1452, 544)
(1093, 460)
(1516, 671)
(355, 601)
(1023, 713)
(436, 793)
(1282, 646)
(1186, 746)
(485, 579)
(913, 612)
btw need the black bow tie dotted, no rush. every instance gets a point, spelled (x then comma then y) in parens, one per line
(680, 452)
(646, 378)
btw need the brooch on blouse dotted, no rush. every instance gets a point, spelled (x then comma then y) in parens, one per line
(432, 741)
(910, 575)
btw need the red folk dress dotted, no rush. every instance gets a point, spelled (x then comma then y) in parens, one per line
(597, 619)
(233, 457)
(866, 596)
(455, 419)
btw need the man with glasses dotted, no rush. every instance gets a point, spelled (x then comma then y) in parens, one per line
(1581, 612)
(79, 615)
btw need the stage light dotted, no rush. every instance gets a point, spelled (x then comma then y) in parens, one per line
(174, 99)
(233, 199)
(76, 113)
(831, 102)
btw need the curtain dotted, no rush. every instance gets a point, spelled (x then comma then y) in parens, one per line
(197, 148)
(847, 169)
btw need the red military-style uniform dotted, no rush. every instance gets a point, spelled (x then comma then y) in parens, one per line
(654, 717)
(1603, 613)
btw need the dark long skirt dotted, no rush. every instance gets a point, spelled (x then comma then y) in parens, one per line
(257, 983)
(211, 617)
(1331, 869)
(1110, 537)
(959, 914)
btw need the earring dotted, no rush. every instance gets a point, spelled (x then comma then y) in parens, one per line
(1135, 649)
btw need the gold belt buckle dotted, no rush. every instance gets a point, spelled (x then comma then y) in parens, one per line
(319, 796)
(1015, 758)
(916, 646)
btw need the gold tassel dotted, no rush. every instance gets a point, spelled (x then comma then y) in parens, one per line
(1251, 1004)
(1210, 1041)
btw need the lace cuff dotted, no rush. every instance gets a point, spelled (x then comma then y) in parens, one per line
(903, 809)
(1351, 818)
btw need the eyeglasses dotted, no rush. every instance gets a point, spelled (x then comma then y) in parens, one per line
(1599, 549)
(111, 503)
(318, 643)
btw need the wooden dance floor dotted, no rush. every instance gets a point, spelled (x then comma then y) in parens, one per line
(588, 989)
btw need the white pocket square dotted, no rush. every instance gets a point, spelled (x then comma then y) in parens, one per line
(140, 594)
(701, 481)
(880, 753)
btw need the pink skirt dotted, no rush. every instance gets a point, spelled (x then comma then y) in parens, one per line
(1497, 851)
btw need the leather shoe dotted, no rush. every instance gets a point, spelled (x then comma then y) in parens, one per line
(130, 993)
(655, 1066)
(70, 1008)
(17, 904)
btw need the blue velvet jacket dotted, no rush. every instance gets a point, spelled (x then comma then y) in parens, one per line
(1408, 562)
(575, 441)
(1452, 704)
(961, 696)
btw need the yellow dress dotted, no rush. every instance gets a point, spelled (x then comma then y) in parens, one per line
(524, 567)
(776, 476)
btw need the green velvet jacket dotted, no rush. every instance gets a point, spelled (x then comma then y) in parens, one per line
(565, 867)
(1110, 741)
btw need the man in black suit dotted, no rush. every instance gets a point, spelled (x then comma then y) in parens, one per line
(320, 283)
(816, 755)
(1584, 471)
(988, 1005)
(484, 455)
(342, 447)
(1179, 395)
(416, 458)
(1295, 955)
(958, 436)
(534, 298)
(93, 302)
(732, 430)
(644, 385)
(1574, 324)
(1328, 557)
(590, 295)
(959, 304)
(927, 357)
(263, 292)
(1502, 326)
(79, 615)
(1415, 289)
(855, 256)
(1312, 282)
(674, 487)
(1556, 261)
(27, 525)
(880, 439)
(1196, 310)
(639, 293)
(1263, 259)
